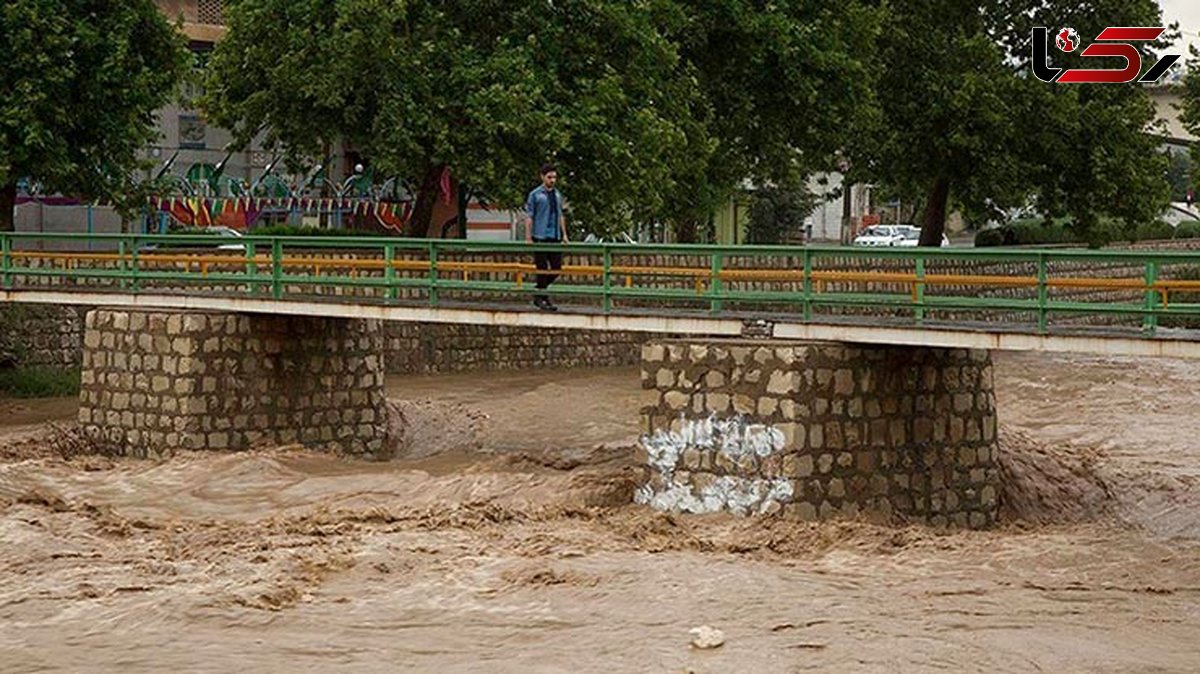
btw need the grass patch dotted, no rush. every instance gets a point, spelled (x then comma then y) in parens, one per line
(39, 382)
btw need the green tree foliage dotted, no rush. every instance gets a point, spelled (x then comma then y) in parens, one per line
(776, 214)
(653, 110)
(965, 123)
(789, 82)
(81, 81)
(485, 88)
(1179, 174)
(788, 85)
(1189, 95)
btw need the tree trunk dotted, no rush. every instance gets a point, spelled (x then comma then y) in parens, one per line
(427, 195)
(464, 202)
(933, 225)
(8, 207)
(686, 230)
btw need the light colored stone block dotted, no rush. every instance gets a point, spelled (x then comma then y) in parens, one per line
(718, 402)
(837, 488)
(743, 404)
(816, 436)
(781, 382)
(676, 400)
(805, 512)
(824, 463)
(665, 378)
(843, 382)
(767, 407)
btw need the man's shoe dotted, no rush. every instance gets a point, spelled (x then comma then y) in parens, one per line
(549, 306)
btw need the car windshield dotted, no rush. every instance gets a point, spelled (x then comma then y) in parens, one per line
(912, 234)
(879, 231)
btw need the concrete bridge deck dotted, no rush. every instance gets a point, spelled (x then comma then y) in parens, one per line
(1113, 341)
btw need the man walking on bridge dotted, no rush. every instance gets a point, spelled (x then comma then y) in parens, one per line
(545, 223)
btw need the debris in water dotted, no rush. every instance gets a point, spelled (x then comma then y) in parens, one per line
(707, 637)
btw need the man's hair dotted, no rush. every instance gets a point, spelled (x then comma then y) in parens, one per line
(547, 168)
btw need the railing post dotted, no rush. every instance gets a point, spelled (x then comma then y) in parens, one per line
(6, 260)
(433, 274)
(1150, 319)
(607, 279)
(717, 285)
(251, 268)
(1043, 294)
(919, 312)
(389, 272)
(137, 284)
(121, 266)
(807, 283)
(277, 269)
(91, 223)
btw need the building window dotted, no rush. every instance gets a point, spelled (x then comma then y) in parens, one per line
(210, 12)
(191, 132)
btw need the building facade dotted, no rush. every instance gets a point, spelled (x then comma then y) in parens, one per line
(196, 146)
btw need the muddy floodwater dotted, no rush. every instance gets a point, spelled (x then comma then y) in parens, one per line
(506, 541)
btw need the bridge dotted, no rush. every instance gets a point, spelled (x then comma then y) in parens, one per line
(813, 381)
(1139, 303)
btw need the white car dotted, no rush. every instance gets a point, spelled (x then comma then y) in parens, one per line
(912, 238)
(883, 235)
(619, 238)
(880, 235)
(227, 233)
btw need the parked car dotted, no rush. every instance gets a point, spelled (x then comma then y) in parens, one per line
(230, 235)
(224, 238)
(879, 235)
(883, 235)
(622, 237)
(912, 238)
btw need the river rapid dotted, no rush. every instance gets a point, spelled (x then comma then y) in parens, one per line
(506, 541)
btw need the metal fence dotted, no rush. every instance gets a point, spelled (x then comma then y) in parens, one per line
(1038, 289)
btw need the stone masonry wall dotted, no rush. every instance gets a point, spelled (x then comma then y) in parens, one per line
(40, 335)
(154, 382)
(820, 430)
(52, 336)
(417, 348)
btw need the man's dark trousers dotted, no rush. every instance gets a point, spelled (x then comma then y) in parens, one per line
(550, 261)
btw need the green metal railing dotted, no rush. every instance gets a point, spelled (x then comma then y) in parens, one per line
(1041, 289)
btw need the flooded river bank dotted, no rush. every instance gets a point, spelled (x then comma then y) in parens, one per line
(507, 541)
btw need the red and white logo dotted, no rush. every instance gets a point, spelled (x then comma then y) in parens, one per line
(1067, 40)
(1112, 42)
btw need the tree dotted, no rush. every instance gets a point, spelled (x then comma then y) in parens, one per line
(1189, 95)
(964, 122)
(82, 81)
(775, 213)
(1179, 174)
(483, 90)
(787, 84)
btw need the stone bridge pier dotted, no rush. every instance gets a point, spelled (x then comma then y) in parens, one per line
(820, 430)
(158, 381)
